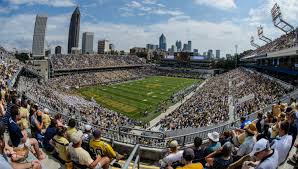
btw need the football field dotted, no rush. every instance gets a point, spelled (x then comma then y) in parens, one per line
(133, 98)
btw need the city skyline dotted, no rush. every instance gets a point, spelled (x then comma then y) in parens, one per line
(207, 24)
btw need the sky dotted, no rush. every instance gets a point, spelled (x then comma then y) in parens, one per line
(209, 24)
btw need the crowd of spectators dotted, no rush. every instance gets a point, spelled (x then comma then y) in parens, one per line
(25, 128)
(66, 62)
(209, 105)
(261, 144)
(71, 105)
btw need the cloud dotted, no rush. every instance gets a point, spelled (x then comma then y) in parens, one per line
(150, 7)
(55, 3)
(220, 4)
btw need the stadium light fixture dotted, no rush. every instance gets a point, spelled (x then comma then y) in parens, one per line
(252, 42)
(278, 20)
(261, 35)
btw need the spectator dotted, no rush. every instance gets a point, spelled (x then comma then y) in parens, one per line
(246, 147)
(265, 156)
(35, 164)
(188, 157)
(221, 158)
(173, 157)
(293, 128)
(37, 124)
(244, 122)
(198, 150)
(99, 147)
(46, 118)
(81, 157)
(24, 113)
(71, 128)
(16, 135)
(214, 143)
(283, 145)
(51, 131)
(260, 123)
(86, 137)
(60, 143)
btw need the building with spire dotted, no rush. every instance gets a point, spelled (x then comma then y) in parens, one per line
(162, 42)
(74, 30)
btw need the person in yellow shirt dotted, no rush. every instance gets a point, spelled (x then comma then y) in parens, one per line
(60, 143)
(46, 118)
(24, 113)
(99, 147)
(188, 156)
(71, 128)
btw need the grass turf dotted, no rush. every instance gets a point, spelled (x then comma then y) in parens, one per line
(134, 97)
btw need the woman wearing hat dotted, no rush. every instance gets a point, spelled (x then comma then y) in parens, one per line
(249, 141)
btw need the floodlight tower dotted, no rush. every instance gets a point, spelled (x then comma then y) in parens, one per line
(261, 35)
(278, 20)
(252, 42)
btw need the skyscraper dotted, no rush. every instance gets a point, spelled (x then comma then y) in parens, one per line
(185, 47)
(189, 46)
(74, 30)
(210, 54)
(87, 42)
(58, 50)
(217, 54)
(179, 46)
(38, 50)
(163, 42)
(103, 46)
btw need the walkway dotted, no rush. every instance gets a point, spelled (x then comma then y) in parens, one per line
(172, 108)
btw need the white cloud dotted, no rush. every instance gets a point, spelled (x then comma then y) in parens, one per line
(220, 4)
(55, 3)
(134, 4)
(135, 8)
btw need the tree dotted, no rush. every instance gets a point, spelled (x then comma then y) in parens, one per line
(22, 57)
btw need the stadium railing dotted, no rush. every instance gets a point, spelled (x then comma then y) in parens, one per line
(135, 152)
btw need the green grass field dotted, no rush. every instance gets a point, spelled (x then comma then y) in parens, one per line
(133, 97)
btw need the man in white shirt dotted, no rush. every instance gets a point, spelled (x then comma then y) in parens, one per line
(173, 156)
(283, 145)
(80, 156)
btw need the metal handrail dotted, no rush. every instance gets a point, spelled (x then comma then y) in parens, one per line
(135, 151)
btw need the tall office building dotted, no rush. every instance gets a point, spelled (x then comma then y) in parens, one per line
(210, 54)
(217, 54)
(162, 42)
(103, 46)
(38, 50)
(189, 46)
(87, 43)
(185, 47)
(179, 46)
(74, 30)
(58, 50)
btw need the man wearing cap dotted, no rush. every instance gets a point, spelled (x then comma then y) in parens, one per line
(99, 147)
(86, 137)
(80, 156)
(249, 142)
(173, 156)
(267, 157)
(188, 157)
(283, 145)
(214, 143)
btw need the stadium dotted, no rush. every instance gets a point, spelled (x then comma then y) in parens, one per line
(152, 114)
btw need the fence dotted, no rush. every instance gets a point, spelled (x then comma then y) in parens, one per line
(135, 152)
